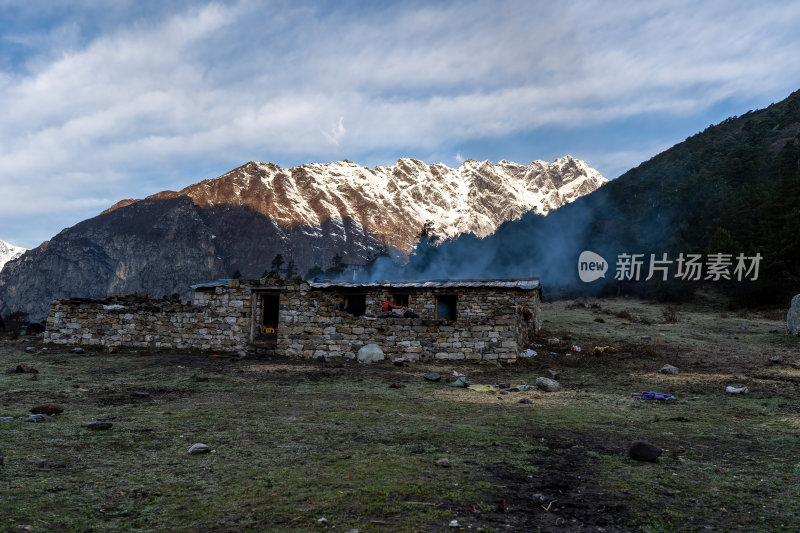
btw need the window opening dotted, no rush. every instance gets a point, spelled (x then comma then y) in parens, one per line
(400, 298)
(356, 303)
(446, 307)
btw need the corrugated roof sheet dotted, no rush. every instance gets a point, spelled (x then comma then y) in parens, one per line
(210, 284)
(526, 284)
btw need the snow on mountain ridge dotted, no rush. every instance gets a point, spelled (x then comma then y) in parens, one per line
(8, 252)
(392, 203)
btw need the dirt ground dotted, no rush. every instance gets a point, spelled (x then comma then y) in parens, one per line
(288, 431)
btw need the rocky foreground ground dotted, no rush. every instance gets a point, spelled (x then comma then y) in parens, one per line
(137, 441)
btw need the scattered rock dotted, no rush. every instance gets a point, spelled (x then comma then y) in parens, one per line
(38, 418)
(7, 419)
(45, 463)
(432, 376)
(526, 400)
(444, 462)
(736, 390)
(453, 523)
(793, 317)
(199, 448)
(668, 369)
(30, 349)
(370, 353)
(396, 385)
(547, 384)
(47, 409)
(552, 374)
(23, 368)
(460, 383)
(78, 350)
(776, 360)
(111, 350)
(644, 451)
(98, 425)
(795, 364)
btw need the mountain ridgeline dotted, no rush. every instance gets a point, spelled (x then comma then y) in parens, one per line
(260, 217)
(732, 189)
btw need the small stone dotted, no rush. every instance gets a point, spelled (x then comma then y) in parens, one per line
(547, 384)
(460, 383)
(526, 400)
(444, 462)
(30, 349)
(776, 360)
(432, 376)
(668, 369)
(795, 364)
(736, 390)
(396, 385)
(644, 451)
(47, 409)
(78, 350)
(552, 374)
(98, 425)
(199, 448)
(37, 418)
(7, 418)
(23, 368)
(453, 523)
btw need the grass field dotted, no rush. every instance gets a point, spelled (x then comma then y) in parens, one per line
(313, 446)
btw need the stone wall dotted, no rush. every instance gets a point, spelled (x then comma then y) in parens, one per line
(220, 324)
(491, 323)
(488, 326)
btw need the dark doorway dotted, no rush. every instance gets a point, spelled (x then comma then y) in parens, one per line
(446, 307)
(270, 312)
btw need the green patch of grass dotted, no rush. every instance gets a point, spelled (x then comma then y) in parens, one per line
(298, 441)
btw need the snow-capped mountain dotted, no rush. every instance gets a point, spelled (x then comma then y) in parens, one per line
(391, 203)
(309, 214)
(8, 252)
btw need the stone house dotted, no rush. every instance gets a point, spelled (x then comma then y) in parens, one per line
(456, 318)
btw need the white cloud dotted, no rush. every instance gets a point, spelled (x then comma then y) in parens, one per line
(224, 83)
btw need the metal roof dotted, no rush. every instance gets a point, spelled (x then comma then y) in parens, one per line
(526, 284)
(210, 284)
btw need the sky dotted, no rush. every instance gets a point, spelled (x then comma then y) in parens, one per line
(101, 101)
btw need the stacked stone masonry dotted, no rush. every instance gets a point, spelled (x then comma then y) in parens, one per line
(228, 316)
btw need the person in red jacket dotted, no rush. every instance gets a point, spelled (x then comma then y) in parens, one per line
(388, 306)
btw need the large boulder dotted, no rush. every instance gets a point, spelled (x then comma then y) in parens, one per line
(793, 317)
(644, 451)
(547, 384)
(370, 353)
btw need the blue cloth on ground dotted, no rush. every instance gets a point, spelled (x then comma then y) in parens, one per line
(653, 396)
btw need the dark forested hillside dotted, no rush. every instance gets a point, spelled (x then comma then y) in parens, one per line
(733, 188)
